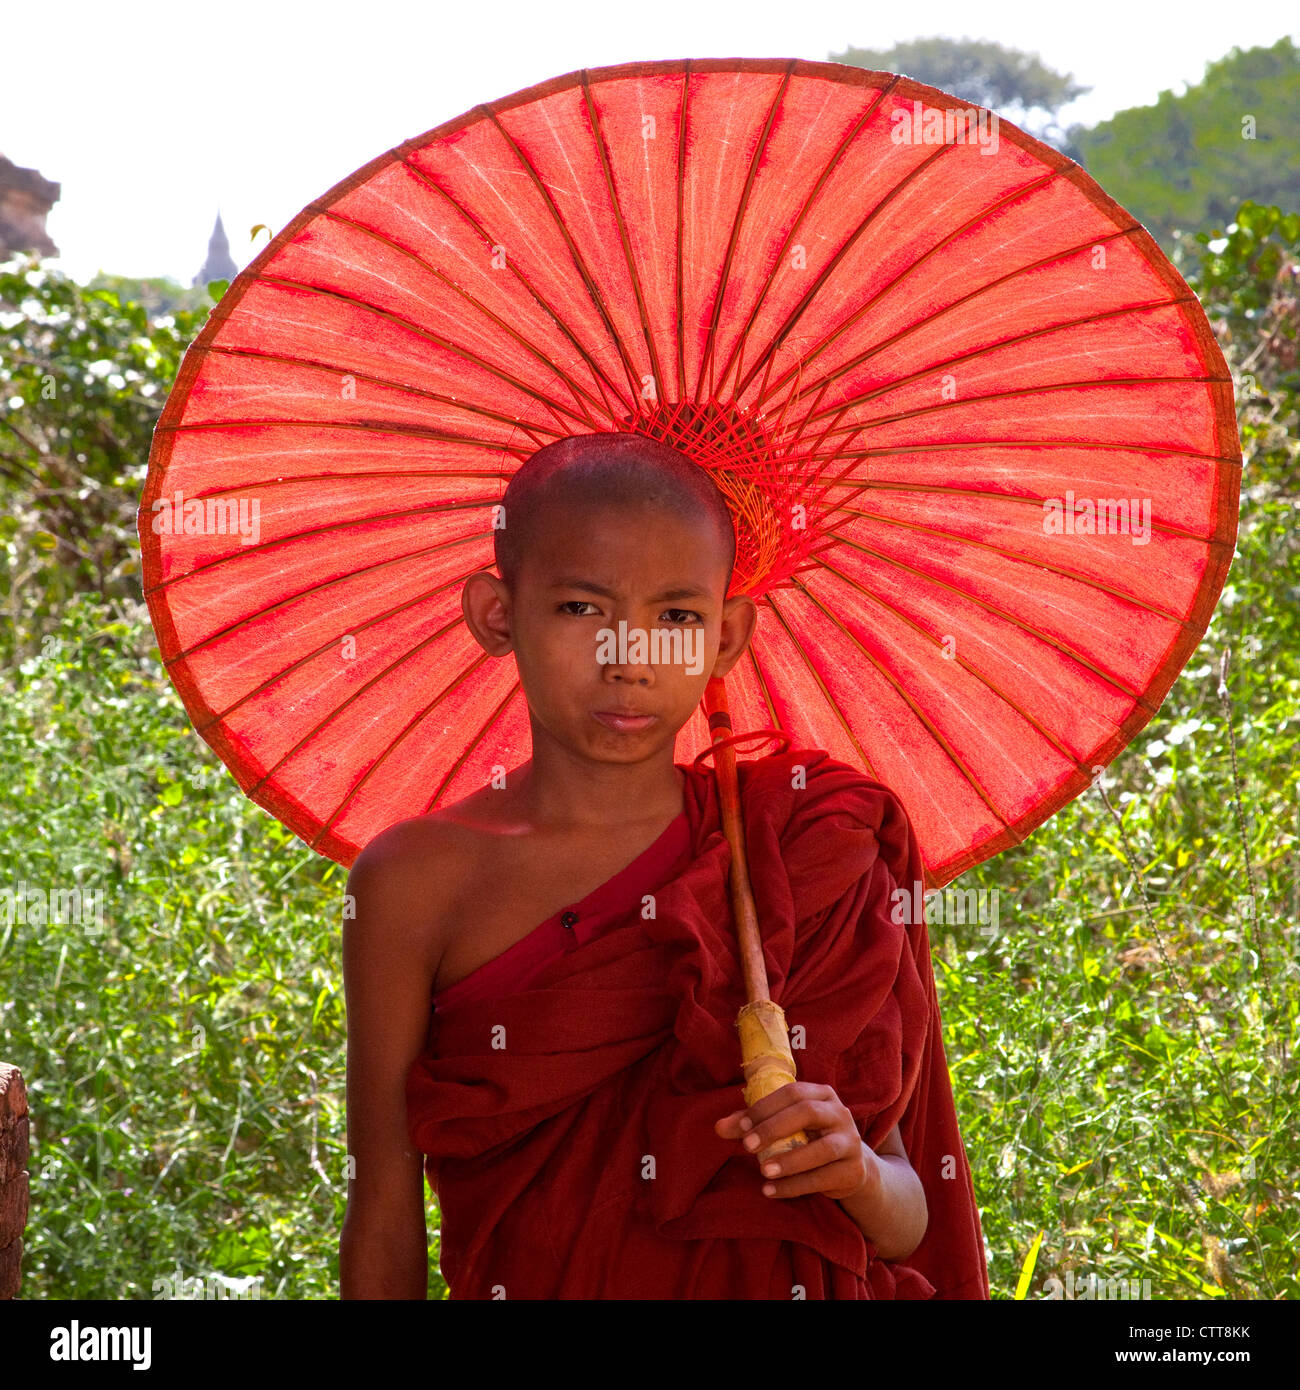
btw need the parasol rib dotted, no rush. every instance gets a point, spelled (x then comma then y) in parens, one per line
(987, 350)
(424, 714)
(611, 189)
(329, 822)
(478, 738)
(472, 358)
(954, 757)
(327, 646)
(975, 220)
(831, 703)
(737, 221)
(1007, 616)
(498, 323)
(863, 310)
(597, 372)
(886, 485)
(354, 695)
(829, 269)
(580, 264)
(402, 430)
(956, 657)
(1064, 571)
(324, 529)
(679, 337)
(1018, 391)
(733, 361)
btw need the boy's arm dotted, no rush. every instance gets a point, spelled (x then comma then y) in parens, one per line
(387, 974)
(890, 1208)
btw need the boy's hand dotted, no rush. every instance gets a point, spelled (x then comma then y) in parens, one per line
(835, 1161)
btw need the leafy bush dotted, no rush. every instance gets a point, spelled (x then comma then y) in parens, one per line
(83, 376)
(184, 1058)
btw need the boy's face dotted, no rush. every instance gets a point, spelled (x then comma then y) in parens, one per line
(615, 610)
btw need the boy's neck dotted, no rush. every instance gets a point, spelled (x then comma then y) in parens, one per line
(554, 789)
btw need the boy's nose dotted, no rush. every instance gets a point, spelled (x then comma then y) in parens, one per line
(635, 672)
(621, 642)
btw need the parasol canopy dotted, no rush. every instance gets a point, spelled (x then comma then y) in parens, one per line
(979, 441)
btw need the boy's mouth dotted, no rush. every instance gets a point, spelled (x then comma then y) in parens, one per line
(625, 721)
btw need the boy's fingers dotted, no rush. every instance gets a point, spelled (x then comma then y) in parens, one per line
(783, 1097)
(816, 1153)
(768, 1105)
(828, 1178)
(803, 1114)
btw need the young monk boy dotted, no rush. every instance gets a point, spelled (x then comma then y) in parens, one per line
(575, 1097)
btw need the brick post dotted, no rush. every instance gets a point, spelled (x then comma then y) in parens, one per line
(13, 1177)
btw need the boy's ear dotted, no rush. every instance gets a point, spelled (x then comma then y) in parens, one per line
(485, 602)
(739, 621)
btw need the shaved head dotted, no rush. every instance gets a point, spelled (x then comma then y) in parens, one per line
(606, 470)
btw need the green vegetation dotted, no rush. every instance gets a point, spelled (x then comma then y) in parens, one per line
(1119, 1049)
(1190, 159)
(83, 376)
(184, 1064)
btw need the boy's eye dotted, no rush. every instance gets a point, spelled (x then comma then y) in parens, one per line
(672, 615)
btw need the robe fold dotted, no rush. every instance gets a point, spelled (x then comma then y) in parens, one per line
(567, 1095)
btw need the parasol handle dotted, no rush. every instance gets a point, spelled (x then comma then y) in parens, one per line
(766, 1059)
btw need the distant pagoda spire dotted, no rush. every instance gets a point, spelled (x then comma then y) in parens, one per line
(218, 265)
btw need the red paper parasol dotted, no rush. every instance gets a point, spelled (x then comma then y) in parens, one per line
(979, 438)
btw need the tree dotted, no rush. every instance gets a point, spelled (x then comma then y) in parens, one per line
(1247, 276)
(1189, 161)
(83, 377)
(158, 295)
(1018, 86)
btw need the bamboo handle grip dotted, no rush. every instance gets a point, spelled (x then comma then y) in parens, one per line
(767, 1062)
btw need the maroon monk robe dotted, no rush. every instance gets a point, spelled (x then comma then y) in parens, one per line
(567, 1097)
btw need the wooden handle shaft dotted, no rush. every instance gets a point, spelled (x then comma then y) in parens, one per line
(766, 1059)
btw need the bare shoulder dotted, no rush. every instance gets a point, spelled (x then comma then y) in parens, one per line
(400, 857)
(402, 881)
(406, 883)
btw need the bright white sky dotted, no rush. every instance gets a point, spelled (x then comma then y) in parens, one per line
(152, 113)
